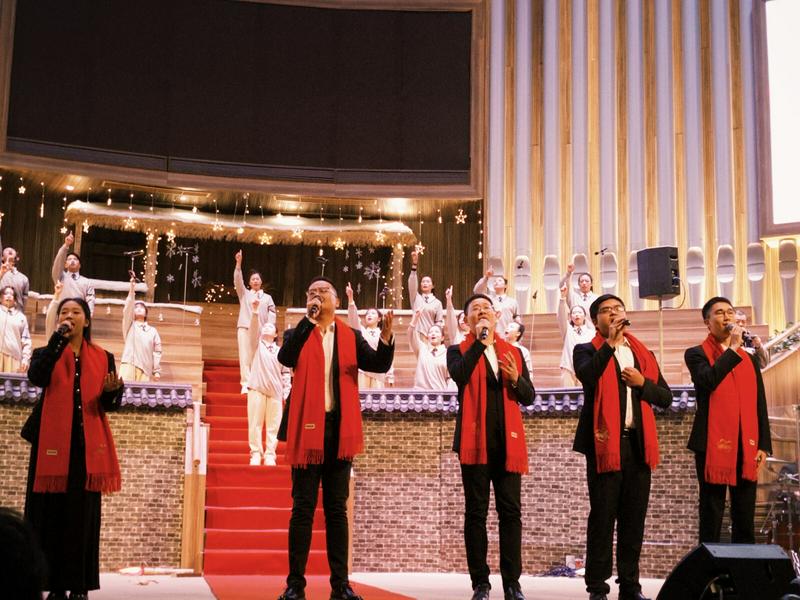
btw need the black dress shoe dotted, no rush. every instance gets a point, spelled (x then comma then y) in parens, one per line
(633, 596)
(291, 593)
(598, 596)
(514, 593)
(344, 592)
(78, 596)
(57, 596)
(481, 591)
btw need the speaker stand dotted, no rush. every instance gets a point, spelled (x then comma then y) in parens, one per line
(660, 332)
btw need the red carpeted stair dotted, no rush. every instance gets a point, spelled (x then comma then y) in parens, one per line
(247, 508)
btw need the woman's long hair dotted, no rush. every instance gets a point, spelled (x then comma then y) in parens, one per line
(87, 331)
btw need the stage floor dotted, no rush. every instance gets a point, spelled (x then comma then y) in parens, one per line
(423, 586)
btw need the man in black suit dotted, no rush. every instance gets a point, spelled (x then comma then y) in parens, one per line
(730, 436)
(322, 428)
(616, 431)
(492, 381)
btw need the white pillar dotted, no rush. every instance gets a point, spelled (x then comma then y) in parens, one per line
(494, 205)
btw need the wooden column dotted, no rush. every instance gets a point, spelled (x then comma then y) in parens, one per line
(151, 265)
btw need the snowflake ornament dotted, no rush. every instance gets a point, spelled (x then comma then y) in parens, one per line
(196, 259)
(170, 278)
(372, 271)
(359, 253)
(197, 279)
(359, 264)
(345, 269)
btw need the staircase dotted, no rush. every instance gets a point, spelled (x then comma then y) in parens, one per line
(247, 508)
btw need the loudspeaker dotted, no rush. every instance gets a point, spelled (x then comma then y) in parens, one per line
(741, 571)
(658, 272)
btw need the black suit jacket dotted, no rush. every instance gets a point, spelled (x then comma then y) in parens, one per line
(706, 379)
(375, 361)
(461, 366)
(589, 366)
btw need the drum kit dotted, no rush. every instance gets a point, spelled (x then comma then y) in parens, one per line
(782, 523)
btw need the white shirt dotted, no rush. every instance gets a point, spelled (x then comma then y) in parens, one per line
(431, 307)
(328, 338)
(526, 356)
(15, 339)
(624, 357)
(491, 356)
(266, 373)
(431, 372)
(75, 284)
(573, 337)
(142, 342)
(19, 282)
(266, 306)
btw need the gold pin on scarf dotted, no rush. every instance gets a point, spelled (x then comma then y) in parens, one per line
(51, 452)
(310, 425)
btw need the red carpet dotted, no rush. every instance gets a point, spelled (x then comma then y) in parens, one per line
(269, 587)
(247, 508)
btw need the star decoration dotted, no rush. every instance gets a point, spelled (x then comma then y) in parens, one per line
(380, 237)
(345, 269)
(297, 233)
(338, 244)
(265, 239)
(63, 230)
(170, 236)
(216, 226)
(240, 230)
(461, 217)
(21, 189)
(85, 227)
(383, 237)
(130, 223)
(419, 249)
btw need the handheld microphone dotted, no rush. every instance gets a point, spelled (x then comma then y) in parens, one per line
(626, 323)
(63, 329)
(484, 333)
(312, 312)
(730, 326)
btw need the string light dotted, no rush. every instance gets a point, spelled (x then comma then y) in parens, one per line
(130, 222)
(41, 206)
(21, 188)
(297, 233)
(360, 210)
(480, 241)
(108, 202)
(64, 228)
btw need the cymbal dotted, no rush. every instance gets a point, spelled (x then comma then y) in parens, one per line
(780, 461)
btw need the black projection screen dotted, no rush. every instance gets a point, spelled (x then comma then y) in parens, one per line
(225, 87)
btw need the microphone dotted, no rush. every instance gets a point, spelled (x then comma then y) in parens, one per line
(626, 323)
(484, 333)
(313, 310)
(730, 326)
(601, 251)
(133, 253)
(63, 329)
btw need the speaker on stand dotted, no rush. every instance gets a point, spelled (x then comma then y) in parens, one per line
(659, 279)
(731, 571)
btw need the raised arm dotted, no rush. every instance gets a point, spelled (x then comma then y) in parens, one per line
(451, 320)
(563, 312)
(127, 309)
(482, 285)
(352, 309)
(413, 338)
(413, 282)
(567, 281)
(51, 317)
(254, 330)
(60, 259)
(238, 280)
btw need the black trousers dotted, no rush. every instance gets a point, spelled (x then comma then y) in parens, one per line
(619, 497)
(476, 479)
(712, 505)
(334, 474)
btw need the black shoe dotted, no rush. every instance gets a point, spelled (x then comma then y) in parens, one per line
(57, 596)
(514, 593)
(481, 591)
(633, 596)
(291, 593)
(344, 592)
(598, 596)
(78, 596)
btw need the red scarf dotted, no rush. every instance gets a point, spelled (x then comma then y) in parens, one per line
(52, 462)
(607, 426)
(473, 415)
(730, 406)
(305, 433)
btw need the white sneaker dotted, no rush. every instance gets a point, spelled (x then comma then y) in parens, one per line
(269, 461)
(255, 460)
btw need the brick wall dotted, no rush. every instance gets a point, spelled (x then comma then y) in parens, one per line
(409, 501)
(142, 523)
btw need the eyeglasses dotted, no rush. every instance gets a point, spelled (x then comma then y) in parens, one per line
(607, 310)
(318, 291)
